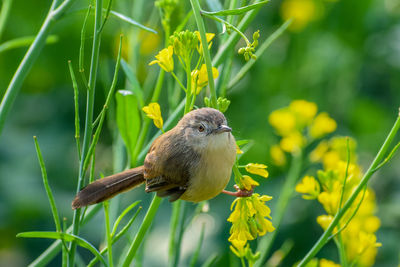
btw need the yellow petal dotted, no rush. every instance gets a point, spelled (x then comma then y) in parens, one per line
(256, 168)
(153, 111)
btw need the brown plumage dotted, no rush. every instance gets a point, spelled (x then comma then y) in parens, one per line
(192, 161)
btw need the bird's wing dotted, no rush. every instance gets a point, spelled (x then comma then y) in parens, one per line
(168, 166)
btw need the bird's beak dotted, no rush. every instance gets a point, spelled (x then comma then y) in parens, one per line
(222, 129)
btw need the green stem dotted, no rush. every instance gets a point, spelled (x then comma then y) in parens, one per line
(51, 252)
(4, 13)
(229, 25)
(47, 187)
(88, 120)
(188, 87)
(206, 53)
(287, 191)
(76, 104)
(342, 251)
(234, 36)
(371, 170)
(151, 213)
(259, 52)
(29, 58)
(178, 81)
(173, 226)
(108, 233)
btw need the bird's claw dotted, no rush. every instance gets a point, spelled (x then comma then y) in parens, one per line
(239, 192)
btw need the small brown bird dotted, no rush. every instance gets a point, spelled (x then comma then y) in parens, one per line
(193, 161)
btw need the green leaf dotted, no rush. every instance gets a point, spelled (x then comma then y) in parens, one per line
(242, 142)
(133, 81)
(236, 11)
(24, 41)
(132, 22)
(66, 237)
(128, 118)
(120, 217)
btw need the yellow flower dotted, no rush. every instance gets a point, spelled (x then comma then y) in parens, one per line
(302, 11)
(153, 112)
(367, 241)
(238, 150)
(283, 121)
(372, 224)
(330, 160)
(322, 125)
(292, 142)
(327, 263)
(256, 168)
(304, 110)
(277, 155)
(309, 187)
(330, 201)
(209, 37)
(200, 78)
(248, 220)
(318, 153)
(248, 182)
(324, 221)
(164, 59)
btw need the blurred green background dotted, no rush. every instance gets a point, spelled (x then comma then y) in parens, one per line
(344, 55)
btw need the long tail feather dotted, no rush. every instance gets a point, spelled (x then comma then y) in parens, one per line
(108, 187)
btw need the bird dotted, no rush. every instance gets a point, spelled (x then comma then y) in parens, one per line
(193, 161)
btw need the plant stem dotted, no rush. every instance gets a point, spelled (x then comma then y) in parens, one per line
(287, 191)
(108, 233)
(371, 170)
(342, 251)
(151, 212)
(88, 120)
(51, 252)
(206, 53)
(188, 88)
(259, 52)
(29, 58)
(228, 25)
(4, 13)
(234, 37)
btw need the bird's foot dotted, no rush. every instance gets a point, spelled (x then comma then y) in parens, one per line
(239, 192)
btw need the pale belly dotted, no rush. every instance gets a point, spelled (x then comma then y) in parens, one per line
(213, 173)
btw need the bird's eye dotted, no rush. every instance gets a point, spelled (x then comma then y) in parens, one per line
(201, 128)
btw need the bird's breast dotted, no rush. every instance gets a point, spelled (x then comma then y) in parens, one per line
(214, 169)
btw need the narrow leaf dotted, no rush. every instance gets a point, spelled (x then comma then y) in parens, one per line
(136, 88)
(236, 11)
(117, 236)
(132, 22)
(128, 118)
(66, 237)
(47, 187)
(196, 253)
(242, 142)
(24, 41)
(121, 216)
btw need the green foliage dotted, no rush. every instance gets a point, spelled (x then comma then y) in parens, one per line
(128, 118)
(347, 67)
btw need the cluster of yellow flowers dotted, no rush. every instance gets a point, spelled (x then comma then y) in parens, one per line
(250, 214)
(183, 44)
(298, 124)
(360, 224)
